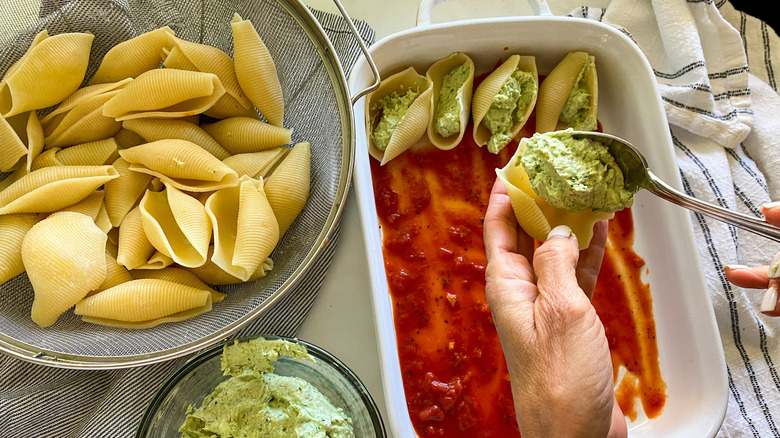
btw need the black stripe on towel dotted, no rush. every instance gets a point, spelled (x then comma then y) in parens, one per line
(728, 116)
(740, 403)
(725, 285)
(758, 178)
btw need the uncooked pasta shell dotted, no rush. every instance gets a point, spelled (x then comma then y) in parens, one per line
(177, 225)
(241, 135)
(130, 58)
(288, 186)
(142, 300)
(256, 164)
(13, 227)
(436, 73)
(53, 188)
(64, 256)
(83, 94)
(89, 206)
(256, 71)
(210, 273)
(59, 62)
(161, 129)
(116, 274)
(245, 228)
(554, 91)
(93, 153)
(181, 276)
(165, 93)
(491, 85)
(413, 124)
(20, 136)
(181, 164)
(535, 215)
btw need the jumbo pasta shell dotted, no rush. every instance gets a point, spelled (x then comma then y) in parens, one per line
(53, 188)
(116, 274)
(436, 73)
(133, 57)
(557, 86)
(535, 215)
(122, 193)
(256, 164)
(256, 71)
(82, 95)
(411, 128)
(83, 123)
(187, 55)
(64, 256)
(161, 129)
(142, 300)
(177, 225)
(181, 164)
(126, 138)
(181, 276)
(241, 135)
(20, 136)
(487, 90)
(165, 93)
(210, 273)
(93, 153)
(89, 206)
(134, 248)
(288, 186)
(13, 228)
(59, 61)
(245, 228)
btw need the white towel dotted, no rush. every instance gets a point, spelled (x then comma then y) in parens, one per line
(716, 68)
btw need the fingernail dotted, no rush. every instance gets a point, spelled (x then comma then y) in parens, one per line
(774, 267)
(561, 231)
(769, 302)
(735, 267)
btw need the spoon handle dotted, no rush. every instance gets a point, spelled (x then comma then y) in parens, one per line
(740, 220)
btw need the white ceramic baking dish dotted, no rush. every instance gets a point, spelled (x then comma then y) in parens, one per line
(690, 352)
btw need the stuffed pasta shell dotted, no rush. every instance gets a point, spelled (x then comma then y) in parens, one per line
(397, 114)
(453, 83)
(568, 96)
(503, 102)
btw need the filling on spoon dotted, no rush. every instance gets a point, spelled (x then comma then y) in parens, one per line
(574, 174)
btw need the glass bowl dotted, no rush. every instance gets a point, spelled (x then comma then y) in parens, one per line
(200, 375)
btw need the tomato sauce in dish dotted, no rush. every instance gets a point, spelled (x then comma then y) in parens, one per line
(431, 205)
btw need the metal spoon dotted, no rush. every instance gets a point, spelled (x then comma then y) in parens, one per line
(637, 175)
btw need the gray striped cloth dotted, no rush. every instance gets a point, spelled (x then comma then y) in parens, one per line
(716, 70)
(38, 401)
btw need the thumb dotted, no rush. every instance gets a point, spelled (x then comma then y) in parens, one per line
(555, 265)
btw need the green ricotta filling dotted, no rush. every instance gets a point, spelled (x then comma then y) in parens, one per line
(508, 106)
(392, 109)
(576, 111)
(449, 106)
(574, 174)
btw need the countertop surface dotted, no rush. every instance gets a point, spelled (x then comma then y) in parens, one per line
(341, 320)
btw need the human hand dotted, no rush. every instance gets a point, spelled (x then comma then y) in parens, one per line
(553, 341)
(762, 277)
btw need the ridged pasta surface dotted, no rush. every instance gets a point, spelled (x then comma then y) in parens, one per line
(161, 129)
(180, 163)
(436, 73)
(210, 273)
(240, 135)
(177, 225)
(59, 61)
(93, 153)
(245, 228)
(12, 148)
(187, 55)
(181, 276)
(165, 93)
(555, 89)
(53, 188)
(134, 248)
(288, 186)
(122, 193)
(89, 206)
(64, 256)
(82, 95)
(256, 164)
(83, 123)
(13, 227)
(142, 300)
(116, 274)
(256, 71)
(133, 57)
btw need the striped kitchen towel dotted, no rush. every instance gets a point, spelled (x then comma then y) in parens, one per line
(716, 70)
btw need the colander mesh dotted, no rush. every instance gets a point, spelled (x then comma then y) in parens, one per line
(311, 109)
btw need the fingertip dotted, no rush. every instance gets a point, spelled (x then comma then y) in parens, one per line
(746, 276)
(560, 232)
(771, 212)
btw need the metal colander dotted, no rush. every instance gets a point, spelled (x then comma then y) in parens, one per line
(317, 108)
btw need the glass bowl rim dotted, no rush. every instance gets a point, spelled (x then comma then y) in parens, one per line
(214, 350)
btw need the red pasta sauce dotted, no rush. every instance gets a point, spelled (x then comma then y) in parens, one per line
(431, 205)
